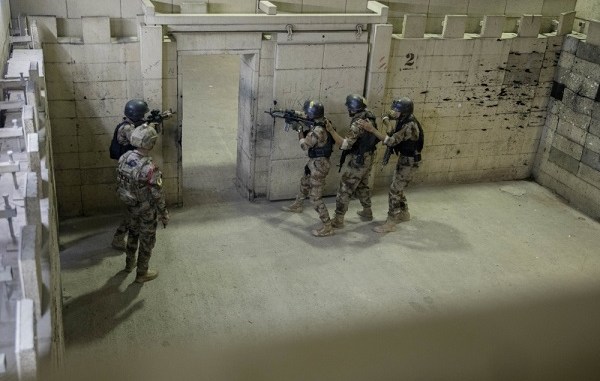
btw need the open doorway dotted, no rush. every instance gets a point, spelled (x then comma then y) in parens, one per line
(210, 124)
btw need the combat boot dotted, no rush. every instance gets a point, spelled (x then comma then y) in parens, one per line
(147, 276)
(366, 214)
(325, 230)
(337, 221)
(119, 242)
(296, 207)
(403, 216)
(388, 226)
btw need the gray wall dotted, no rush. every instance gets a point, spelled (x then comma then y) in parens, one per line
(589, 9)
(569, 157)
(4, 31)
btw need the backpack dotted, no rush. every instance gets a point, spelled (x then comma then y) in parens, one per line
(116, 150)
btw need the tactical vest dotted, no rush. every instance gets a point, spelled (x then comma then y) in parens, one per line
(326, 150)
(367, 142)
(409, 148)
(130, 190)
(117, 150)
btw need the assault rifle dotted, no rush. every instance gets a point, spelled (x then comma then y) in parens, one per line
(157, 116)
(291, 119)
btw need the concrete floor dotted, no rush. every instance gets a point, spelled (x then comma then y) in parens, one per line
(234, 272)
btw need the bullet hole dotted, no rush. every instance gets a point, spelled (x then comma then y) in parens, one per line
(458, 152)
(484, 129)
(468, 98)
(527, 71)
(508, 128)
(487, 89)
(447, 99)
(505, 118)
(424, 92)
(521, 127)
(485, 115)
(516, 53)
(84, 97)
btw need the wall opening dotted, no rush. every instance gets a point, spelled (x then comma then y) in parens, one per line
(210, 127)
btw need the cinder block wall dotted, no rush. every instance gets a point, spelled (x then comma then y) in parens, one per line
(482, 103)
(4, 31)
(569, 157)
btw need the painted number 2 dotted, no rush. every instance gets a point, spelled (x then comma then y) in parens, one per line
(410, 59)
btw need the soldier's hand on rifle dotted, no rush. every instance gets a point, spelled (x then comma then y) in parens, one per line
(329, 125)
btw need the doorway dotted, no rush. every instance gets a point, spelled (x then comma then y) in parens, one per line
(210, 126)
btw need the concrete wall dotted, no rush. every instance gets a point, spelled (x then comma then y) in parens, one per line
(569, 157)
(589, 9)
(482, 103)
(4, 31)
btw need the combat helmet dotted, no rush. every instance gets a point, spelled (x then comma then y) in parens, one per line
(135, 109)
(144, 136)
(355, 103)
(314, 109)
(403, 105)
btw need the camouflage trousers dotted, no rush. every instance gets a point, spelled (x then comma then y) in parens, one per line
(402, 176)
(143, 220)
(312, 184)
(354, 181)
(121, 231)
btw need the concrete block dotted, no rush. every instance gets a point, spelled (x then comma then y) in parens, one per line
(100, 90)
(455, 47)
(99, 53)
(284, 177)
(29, 265)
(594, 127)
(57, 53)
(65, 144)
(99, 72)
(518, 8)
(451, 63)
(567, 146)
(94, 143)
(588, 52)
(60, 90)
(98, 108)
(25, 347)
(151, 40)
(351, 55)
(414, 25)
(267, 7)
(587, 69)
(200, 7)
(570, 44)
(571, 132)
(591, 159)
(529, 26)
(96, 30)
(59, 72)
(454, 26)
(493, 26)
(528, 45)
(593, 33)
(299, 56)
(32, 199)
(45, 27)
(109, 8)
(219, 41)
(380, 49)
(62, 109)
(566, 60)
(592, 143)
(98, 197)
(565, 23)
(563, 160)
(589, 175)
(292, 87)
(153, 92)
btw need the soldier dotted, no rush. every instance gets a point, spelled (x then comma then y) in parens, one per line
(140, 188)
(359, 146)
(135, 110)
(406, 140)
(319, 145)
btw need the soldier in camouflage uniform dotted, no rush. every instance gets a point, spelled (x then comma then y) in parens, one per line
(359, 147)
(319, 145)
(140, 188)
(135, 110)
(406, 140)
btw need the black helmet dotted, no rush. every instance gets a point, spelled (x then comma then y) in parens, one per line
(314, 109)
(135, 109)
(403, 105)
(355, 103)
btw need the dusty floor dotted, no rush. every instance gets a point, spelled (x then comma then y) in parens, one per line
(232, 271)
